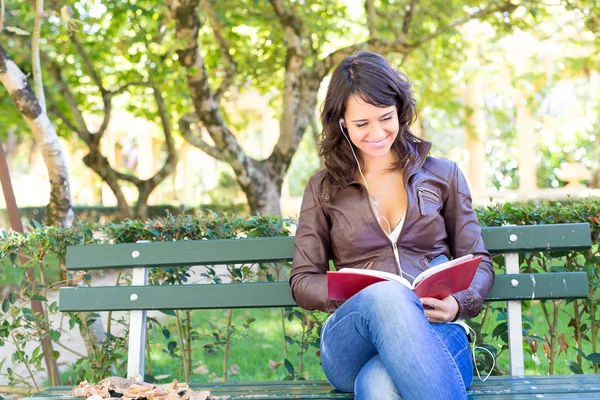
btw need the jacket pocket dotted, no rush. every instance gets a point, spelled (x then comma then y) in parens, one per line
(427, 196)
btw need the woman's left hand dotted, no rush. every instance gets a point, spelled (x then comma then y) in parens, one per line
(444, 310)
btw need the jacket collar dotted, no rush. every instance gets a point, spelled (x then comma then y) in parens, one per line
(419, 153)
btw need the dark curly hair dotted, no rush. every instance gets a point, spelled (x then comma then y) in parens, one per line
(371, 77)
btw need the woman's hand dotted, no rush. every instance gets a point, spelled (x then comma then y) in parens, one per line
(444, 310)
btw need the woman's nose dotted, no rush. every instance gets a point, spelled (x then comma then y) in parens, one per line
(378, 132)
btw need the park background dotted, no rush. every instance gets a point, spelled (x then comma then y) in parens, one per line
(142, 107)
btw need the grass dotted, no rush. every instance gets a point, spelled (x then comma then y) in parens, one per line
(249, 356)
(253, 357)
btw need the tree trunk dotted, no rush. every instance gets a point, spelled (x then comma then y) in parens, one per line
(263, 192)
(59, 210)
(595, 182)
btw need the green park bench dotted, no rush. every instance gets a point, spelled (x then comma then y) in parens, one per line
(511, 287)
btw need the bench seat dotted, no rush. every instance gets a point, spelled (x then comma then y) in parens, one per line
(495, 388)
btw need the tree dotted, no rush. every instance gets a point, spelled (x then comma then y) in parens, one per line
(88, 72)
(306, 30)
(33, 109)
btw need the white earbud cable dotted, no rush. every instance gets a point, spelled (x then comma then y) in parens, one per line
(363, 177)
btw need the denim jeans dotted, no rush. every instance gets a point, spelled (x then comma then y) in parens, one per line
(380, 345)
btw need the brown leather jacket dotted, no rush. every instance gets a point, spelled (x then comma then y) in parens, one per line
(339, 224)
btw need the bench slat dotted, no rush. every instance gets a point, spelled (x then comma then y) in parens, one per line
(277, 294)
(238, 251)
(495, 388)
(182, 253)
(537, 238)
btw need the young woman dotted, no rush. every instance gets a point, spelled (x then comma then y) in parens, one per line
(382, 203)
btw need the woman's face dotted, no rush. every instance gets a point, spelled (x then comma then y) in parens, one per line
(372, 129)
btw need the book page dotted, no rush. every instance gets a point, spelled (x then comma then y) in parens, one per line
(382, 274)
(441, 267)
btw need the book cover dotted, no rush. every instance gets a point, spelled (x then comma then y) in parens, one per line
(438, 282)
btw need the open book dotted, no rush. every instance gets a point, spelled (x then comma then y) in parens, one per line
(439, 281)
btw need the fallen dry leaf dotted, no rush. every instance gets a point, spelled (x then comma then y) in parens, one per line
(274, 365)
(130, 390)
(201, 395)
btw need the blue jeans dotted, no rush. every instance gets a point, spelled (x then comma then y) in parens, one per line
(379, 345)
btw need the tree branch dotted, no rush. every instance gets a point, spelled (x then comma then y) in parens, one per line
(505, 7)
(371, 18)
(187, 27)
(38, 81)
(408, 18)
(1, 16)
(323, 66)
(126, 86)
(230, 64)
(171, 160)
(106, 95)
(89, 66)
(81, 127)
(54, 110)
(185, 127)
(292, 78)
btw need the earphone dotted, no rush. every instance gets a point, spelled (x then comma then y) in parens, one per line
(341, 120)
(353, 153)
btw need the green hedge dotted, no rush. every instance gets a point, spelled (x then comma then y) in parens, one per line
(111, 214)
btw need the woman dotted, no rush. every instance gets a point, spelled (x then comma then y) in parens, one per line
(382, 203)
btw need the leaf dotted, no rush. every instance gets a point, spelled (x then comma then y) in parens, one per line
(5, 305)
(546, 348)
(580, 352)
(274, 365)
(54, 335)
(288, 365)
(562, 344)
(27, 314)
(166, 333)
(20, 32)
(574, 367)
(594, 358)
(38, 297)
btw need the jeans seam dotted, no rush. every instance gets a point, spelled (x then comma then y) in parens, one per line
(454, 365)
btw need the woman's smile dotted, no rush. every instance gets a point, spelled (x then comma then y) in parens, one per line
(378, 144)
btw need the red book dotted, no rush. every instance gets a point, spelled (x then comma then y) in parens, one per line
(438, 282)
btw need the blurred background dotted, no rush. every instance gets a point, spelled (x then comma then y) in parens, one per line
(508, 89)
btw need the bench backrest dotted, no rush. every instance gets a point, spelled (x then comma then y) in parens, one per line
(498, 240)
(511, 287)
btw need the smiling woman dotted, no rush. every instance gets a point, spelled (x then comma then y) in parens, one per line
(383, 203)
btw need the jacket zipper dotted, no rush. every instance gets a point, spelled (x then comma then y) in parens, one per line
(420, 194)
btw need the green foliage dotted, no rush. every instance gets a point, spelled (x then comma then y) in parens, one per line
(567, 335)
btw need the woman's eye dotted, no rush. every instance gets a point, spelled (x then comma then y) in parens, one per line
(361, 125)
(387, 118)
